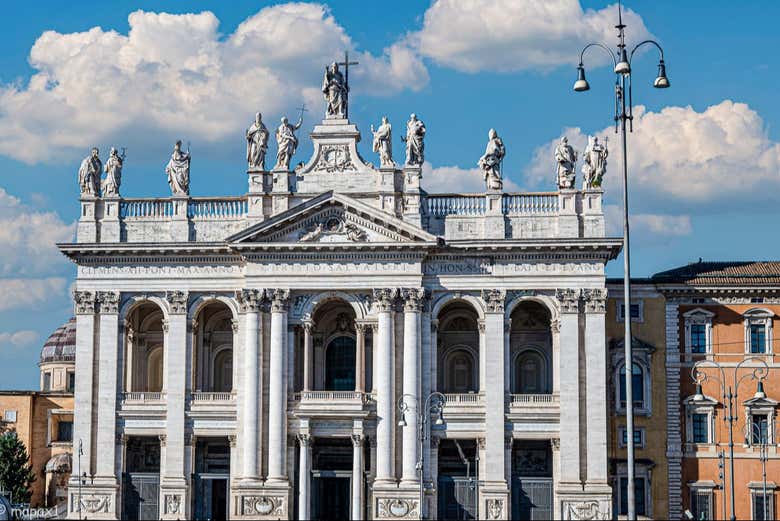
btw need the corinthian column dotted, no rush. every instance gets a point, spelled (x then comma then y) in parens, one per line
(569, 300)
(412, 298)
(108, 306)
(277, 388)
(304, 477)
(250, 304)
(308, 355)
(596, 386)
(385, 403)
(85, 359)
(357, 477)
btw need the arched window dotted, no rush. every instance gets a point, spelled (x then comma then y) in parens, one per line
(459, 375)
(154, 370)
(223, 371)
(340, 364)
(637, 384)
(531, 373)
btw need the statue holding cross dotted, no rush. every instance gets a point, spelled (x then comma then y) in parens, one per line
(335, 88)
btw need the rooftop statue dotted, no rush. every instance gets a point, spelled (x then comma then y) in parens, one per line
(490, 162)
(335, 90)
(178, 170)
(113, 177)
(566, 157)
(89, 174)
(256, 143)
(287, 143)
(414, 139)
(383, 142)
(594, 163)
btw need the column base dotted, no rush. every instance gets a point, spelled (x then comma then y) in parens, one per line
(98, 500)
(494, 501)
(584, 504)
(392, 502)
(174, 500)
(257, 501)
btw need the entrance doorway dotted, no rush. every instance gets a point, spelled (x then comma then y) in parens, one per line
(211, 479)
(330, 495)
(532, 482)
(141, 480)
(457, 483)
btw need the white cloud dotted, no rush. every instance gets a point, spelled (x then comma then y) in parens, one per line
(175, 74)
(453, 179)
(723, 153)
(28, 293)
(28, 237)
(647, 223)
(21, 338)
(513, 35)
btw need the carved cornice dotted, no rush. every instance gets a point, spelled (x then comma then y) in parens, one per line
(280, 299)
(108, 301)
(384, 298)
(414, 299)
(177, 300)
(595, 300)
(250, 300)
(494, 300)
(84, 302)
(569, 299)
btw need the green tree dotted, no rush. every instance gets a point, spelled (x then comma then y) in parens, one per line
(16, 474)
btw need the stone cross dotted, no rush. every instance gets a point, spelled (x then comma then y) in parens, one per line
(346, 63)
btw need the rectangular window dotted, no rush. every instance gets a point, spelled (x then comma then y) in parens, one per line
(701, 504)
(698, 338)
(639, 496)
(71, 382)
(759, 429)
(635, 312)
(757, 338)
(9, 416)
(46, 381)
(637, 437)
(701, 430)
(65, 431)
(758, 505)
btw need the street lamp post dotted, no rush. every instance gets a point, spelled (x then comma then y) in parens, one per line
(433, 405)
(729, 395)
(751, 435)
(624, 113)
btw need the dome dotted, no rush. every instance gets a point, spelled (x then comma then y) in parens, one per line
(61, 345)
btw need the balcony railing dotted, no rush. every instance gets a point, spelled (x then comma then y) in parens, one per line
(331, 396)
(530, 204)
(442, 205)
(463, 399)
(160, 208)
(534, 400)
(217, 208)
(203, 397)
(143, 397)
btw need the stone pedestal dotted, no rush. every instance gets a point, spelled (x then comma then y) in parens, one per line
(109, 219)
(494, 502)
(96, 500)
(180, 225)
(592, 213)
(388, 186)
(282, 186)
(494, 224)
(391, 502)
(258, 502)
(259, 184)
(412, 212)
(87, 226)
(568, 222)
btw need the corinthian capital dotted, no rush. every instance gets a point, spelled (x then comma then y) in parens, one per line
(250, 300)
(494, 300)
(108, 301)
(384, 298)
(569, 299)
(414, 298)
(177, 300)
(279, 298)
(84, 302)
(595, 300)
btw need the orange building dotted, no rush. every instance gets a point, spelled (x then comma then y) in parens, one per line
(44, 419)
(720, 317)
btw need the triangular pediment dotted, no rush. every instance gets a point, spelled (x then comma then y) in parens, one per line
(333, 218)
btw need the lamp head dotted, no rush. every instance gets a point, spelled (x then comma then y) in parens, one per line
(581, 85)
(623, 67)
(661, 82)
(439, 421)
(760, 394)
(699, 396)
(402, 421)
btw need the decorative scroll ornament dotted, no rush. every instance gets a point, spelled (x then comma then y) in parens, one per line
(279, 299)
(595, 300)
(95, 504)
(263, 505)
(250, 300)
(586, 510)
(398, 508)
(413, 298)
(108, 301)
(569, 300)
(334, 158)
(333, 229)
(384, 298)
(494, 300)
(84, 302)
(177, 300)
(495, 507)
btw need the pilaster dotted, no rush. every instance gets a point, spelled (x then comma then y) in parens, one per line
(385, 403)
(569, 301)
(250, 304)
(277, 389)
(108, 308)
(412, 299)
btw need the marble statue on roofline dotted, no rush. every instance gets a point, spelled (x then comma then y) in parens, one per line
(490, 162)
(287, 143)
(415, 141)
(383, 142)
(566, 159)
(594, 163)
(89, 174)
(335, 91)
(256, 143)
(113, 179)
(178, 170)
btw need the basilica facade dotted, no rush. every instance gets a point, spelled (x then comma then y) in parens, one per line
(339, 341)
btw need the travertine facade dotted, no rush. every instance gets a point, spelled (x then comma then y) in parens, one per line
(254, 353)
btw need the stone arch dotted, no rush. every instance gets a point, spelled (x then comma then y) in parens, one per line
(545, 300)
(133, 302)
(315, 301)
(197, 305)
(450, 297)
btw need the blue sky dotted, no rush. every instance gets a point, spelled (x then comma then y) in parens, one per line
(704, 157)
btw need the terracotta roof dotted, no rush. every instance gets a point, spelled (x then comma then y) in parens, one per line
(61, 345)
(737, 273)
